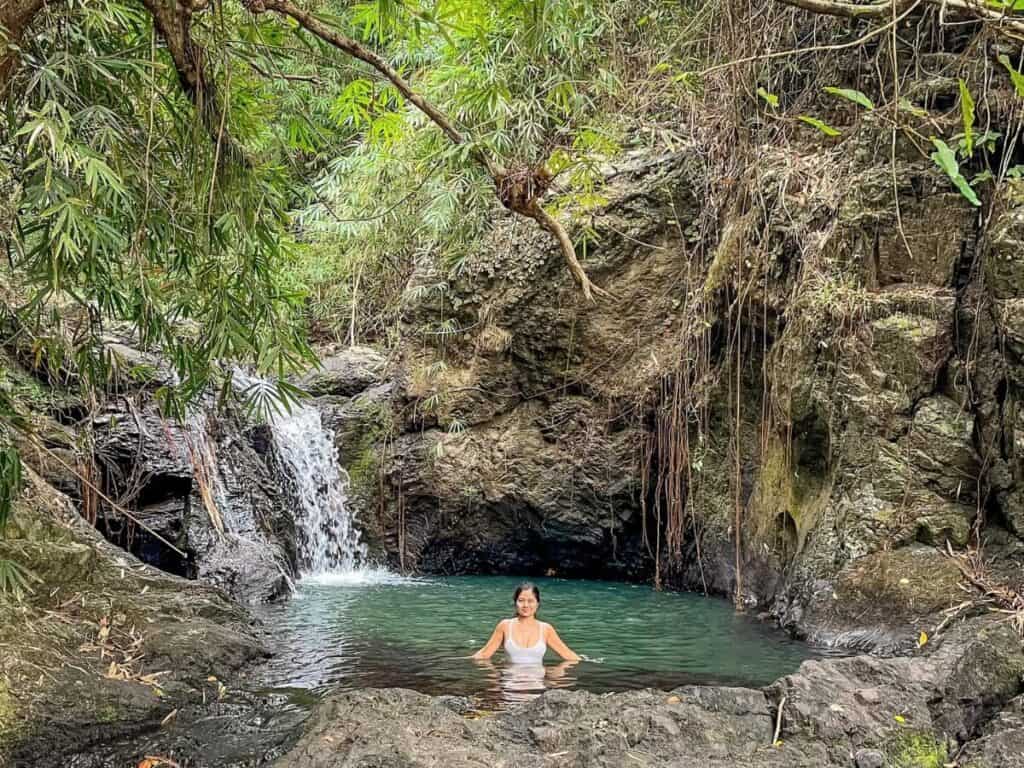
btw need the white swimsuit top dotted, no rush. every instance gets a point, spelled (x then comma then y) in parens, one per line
(519, 655)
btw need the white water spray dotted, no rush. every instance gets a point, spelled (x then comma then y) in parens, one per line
(328, 540)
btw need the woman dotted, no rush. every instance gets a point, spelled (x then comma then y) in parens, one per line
(525, 638)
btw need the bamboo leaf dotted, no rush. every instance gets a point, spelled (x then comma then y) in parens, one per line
(771, 98)
(1016, 77)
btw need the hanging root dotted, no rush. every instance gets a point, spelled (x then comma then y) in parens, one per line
(520, 190)
(552, 225)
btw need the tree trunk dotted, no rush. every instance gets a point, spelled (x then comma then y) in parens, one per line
(15, 18)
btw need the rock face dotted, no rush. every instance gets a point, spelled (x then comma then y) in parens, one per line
(837, 713)
(210, 487)
(104, 645)
(500, 456)
(865, 417)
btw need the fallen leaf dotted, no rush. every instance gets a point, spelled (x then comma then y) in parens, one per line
(922, 641)
(169, 719)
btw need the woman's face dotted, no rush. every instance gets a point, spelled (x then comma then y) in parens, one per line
(526, 604)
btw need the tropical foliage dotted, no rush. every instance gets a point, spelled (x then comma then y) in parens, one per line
(218, 178)
(212, 180)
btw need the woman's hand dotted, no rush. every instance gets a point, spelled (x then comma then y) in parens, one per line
(556, 644)
(558, 671)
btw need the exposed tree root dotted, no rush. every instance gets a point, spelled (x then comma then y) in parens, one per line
(552, 225)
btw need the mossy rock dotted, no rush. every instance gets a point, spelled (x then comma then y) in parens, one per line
(926, 250)
(1004, 264)
(884, 599)
(910, 349)
(917, 749)
(912, 581)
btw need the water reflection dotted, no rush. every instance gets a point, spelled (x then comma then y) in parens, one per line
(419, 634)
(515, 683)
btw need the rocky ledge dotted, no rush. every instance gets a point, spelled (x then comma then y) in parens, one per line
(105, 648)
(960, 703)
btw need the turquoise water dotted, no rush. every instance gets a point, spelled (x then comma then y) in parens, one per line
(417, 633)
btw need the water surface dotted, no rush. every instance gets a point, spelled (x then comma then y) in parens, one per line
(416, 633)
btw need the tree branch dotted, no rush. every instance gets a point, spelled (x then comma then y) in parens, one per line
(173, 19)
(884, 8)
(15, 17)
(283, 75)
(347, 45)
(847, 10)
(554, 226)
(520, 193)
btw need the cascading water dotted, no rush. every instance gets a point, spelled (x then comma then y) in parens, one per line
(328, 541)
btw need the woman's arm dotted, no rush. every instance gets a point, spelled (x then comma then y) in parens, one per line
(552, 639)
(492, 645)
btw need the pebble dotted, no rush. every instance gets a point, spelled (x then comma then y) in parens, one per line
(869, 758)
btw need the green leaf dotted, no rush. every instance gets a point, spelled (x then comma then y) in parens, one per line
(988, 140)
(907, 106)
(16, 580)
(967, 113)
(982, 177)
(945, 158)
(851, 95)
(771, 98)
(825, 128)
(1016, 77)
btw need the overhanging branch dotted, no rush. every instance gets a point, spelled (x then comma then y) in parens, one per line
(173, 20)
(523, 198)
(353, 48)
(1000, 19)
(15, 17)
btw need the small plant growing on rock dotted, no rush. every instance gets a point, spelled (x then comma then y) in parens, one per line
(918, 750)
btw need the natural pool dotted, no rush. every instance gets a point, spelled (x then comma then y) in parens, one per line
(416, 633)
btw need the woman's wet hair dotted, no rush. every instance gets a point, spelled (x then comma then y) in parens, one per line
(526, 586)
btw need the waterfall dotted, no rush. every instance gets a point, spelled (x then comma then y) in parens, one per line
(328, 541)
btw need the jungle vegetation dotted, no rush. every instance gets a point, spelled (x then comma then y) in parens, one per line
(223, 179)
